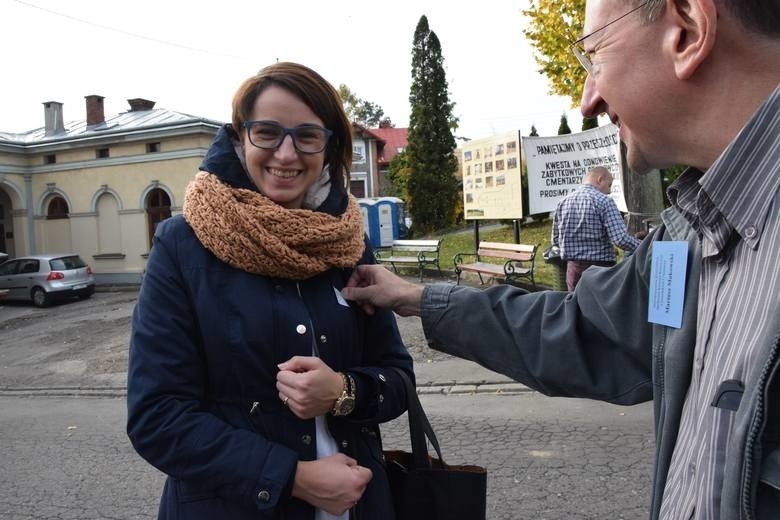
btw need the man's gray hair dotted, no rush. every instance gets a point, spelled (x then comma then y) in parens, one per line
(760, 16)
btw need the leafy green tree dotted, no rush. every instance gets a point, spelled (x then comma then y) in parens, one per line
(432, 185)
(533, 133)
(553, 24)
(398, 173)
(359, 110)
(589, 122)
(563, 128)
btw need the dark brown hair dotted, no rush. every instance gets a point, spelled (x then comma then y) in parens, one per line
(318, 95)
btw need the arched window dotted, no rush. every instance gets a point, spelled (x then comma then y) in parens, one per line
(57, 208)
(158, 208)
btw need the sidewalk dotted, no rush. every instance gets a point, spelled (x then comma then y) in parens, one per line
(459, 376)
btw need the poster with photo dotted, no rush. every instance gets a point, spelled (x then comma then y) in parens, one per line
(494, 196)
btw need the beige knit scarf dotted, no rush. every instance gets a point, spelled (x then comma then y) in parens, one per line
(248, 231)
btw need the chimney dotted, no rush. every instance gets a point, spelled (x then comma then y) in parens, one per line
(138, 104)
(52, 111)
(95, 114)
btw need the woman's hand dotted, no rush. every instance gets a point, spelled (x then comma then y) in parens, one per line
(308, 386)
(334, 483)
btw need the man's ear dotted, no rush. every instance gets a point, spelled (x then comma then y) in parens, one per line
(691, 33)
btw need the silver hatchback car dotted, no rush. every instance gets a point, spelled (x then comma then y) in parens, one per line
(42, 278)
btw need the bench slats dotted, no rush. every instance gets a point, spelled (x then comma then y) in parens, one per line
(427, 253)
(518, 262)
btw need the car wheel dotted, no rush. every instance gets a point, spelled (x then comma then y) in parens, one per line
(39, 297)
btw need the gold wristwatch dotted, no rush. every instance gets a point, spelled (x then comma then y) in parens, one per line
(345, 403)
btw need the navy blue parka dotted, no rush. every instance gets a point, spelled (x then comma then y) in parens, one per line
(206, 340)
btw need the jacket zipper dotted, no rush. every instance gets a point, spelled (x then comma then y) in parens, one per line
(756, 425)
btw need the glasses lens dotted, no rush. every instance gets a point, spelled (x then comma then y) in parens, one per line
(582, 57)
(265, 135)
(310, 139)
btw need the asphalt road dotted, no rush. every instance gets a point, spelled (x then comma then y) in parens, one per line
(547, 459)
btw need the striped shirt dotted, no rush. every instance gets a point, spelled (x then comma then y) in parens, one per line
(587, 223)
(735, 208)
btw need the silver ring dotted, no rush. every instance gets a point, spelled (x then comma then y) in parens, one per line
(284, 401)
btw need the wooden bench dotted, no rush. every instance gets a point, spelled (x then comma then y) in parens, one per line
(411, 252)
(518, 262)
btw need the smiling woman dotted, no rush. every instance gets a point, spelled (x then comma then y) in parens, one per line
(252, 383)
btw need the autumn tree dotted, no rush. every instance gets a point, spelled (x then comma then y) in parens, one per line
(553, 25)
(432, 185)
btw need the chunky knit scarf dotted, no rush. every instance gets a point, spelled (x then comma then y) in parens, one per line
(248, 231)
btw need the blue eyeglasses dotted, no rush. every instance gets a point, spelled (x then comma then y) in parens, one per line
(269, 135)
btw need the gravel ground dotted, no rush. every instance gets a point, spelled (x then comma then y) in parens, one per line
(84, 343)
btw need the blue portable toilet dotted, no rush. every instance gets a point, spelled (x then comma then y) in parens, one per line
(390, 217)
(368, 208)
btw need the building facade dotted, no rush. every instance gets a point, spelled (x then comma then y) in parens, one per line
(98, 187)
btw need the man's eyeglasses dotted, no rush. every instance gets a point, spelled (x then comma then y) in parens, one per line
(578, 49)
(269, 135)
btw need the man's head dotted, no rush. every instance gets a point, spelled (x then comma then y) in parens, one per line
(600, 178)
(680, 77)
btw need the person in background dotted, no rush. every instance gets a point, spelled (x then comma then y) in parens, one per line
(586, 224)
(692, 82)
(252, 383)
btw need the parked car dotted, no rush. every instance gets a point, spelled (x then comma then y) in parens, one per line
(3, 257)
(43, 278)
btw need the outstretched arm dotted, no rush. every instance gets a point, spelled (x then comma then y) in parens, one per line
(374, 286)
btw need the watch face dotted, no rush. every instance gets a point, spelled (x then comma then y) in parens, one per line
(346, 405)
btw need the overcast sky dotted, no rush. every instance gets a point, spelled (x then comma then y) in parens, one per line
(190, 56)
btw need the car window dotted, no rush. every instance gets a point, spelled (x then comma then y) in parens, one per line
(67, 262)
(9, 267)
(29, 266)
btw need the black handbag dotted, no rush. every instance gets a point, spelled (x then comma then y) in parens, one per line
(425, 487)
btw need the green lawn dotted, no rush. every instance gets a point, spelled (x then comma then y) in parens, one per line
(462, 241)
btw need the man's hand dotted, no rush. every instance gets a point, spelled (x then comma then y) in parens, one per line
(334, 483)
(374, 286)
(308, 386)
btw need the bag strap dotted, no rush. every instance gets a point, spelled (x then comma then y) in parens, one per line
(419, 426)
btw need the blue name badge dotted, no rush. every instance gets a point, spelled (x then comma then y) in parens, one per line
(667, 283)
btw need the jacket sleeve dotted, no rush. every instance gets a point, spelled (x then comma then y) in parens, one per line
(380, 392)
(171, 422)
(594, 343)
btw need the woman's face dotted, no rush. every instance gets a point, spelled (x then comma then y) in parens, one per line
(282, 174)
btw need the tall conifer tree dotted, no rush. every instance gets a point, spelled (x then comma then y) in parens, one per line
(433, 188)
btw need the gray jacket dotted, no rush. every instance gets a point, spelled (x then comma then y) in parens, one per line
(613, 354)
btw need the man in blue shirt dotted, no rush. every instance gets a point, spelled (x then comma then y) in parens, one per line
(586, 224)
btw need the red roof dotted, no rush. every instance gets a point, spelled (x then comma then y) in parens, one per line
(394, 138)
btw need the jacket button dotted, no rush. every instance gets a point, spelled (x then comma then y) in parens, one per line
(344, 444)
(323, 339)
(381, 398)
(306, 439)
(264, 496)
(382, 378)
(300, 329)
